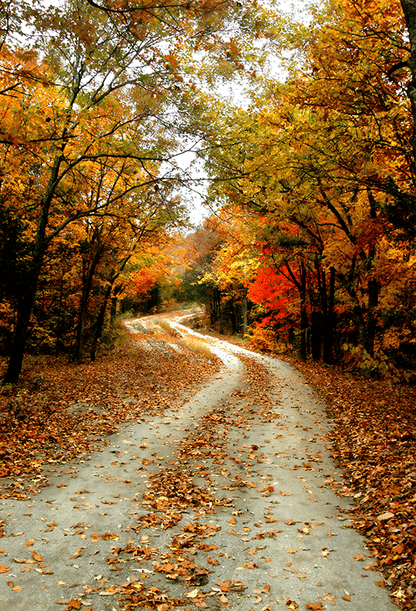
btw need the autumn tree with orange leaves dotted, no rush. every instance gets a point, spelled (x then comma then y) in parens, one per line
(98, 87)
(326, 161)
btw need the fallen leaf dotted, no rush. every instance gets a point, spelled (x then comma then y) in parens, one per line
(73, 604)
(385, 516)
(108, 536)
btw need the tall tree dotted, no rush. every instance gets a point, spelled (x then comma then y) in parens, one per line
(103, 89)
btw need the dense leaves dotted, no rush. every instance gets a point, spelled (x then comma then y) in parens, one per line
(321, 169)
(373, 439)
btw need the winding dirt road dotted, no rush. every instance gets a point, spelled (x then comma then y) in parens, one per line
(230, 501)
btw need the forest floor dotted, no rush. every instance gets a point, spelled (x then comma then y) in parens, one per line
(140, 399)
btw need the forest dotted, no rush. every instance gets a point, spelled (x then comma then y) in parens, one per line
(292, 126)
(309, 175)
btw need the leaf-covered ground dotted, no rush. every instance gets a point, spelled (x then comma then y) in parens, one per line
(60, 411)
(374, 440)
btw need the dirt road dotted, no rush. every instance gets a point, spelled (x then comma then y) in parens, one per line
(227, 502)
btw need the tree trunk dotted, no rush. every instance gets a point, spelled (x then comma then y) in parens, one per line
(21, 332)
(113, 311)
(303, 316)
(244, 306)
(99, 324)
(329, 323)
(316, 334)
(371, 320)
(25, 307)
(86, 290)
(409, 10)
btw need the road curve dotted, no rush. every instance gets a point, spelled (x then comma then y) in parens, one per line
(279, 536)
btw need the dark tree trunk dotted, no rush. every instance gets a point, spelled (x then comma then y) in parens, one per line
(329, 322)
(99, 324)
(86, 291)
(409, 10)
(21, 330)
(316, 334)
(371, 320)
(303, 316)
(244, 307)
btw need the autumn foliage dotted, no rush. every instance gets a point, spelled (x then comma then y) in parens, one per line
(318, 175)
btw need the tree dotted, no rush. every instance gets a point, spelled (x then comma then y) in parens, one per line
(327, 155)
(102, 90)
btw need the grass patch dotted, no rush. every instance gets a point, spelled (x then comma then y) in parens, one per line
(198, 347)
(163, 324)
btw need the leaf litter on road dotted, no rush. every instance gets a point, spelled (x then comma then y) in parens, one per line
(190, 483)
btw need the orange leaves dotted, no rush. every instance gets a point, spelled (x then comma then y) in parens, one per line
(212, 561)
(371, 410)
(109, 536)
(315, 606)
(230, 586)
(4, 569)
